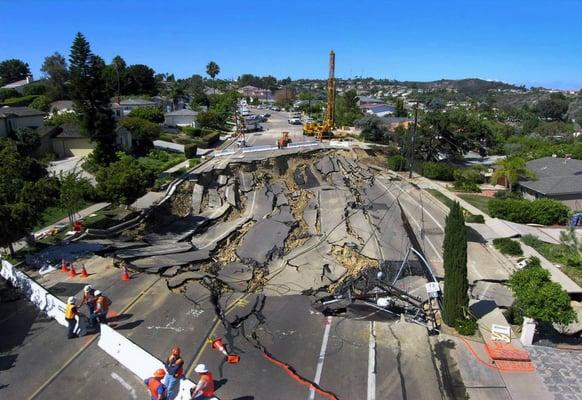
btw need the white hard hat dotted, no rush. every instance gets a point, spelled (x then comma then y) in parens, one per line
(87, 288)
(200, 369)
(71, 300)
(97, 292)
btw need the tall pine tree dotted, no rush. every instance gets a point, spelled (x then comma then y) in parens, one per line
(91, 99)
(456, 297)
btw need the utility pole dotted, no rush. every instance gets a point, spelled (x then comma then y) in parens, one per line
(412, 141)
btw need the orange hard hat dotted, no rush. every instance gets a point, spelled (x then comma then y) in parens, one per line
(159, 373)
(176, 351)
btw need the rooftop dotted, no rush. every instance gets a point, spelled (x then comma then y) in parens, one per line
(556, 176)
(19, 112)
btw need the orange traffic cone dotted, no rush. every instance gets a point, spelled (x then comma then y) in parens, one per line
(84, 273)
(125, 277)
(72, 272)
(64, 266)
(218, 345)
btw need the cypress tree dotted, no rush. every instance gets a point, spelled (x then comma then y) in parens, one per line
(91, 99)
(456, 297)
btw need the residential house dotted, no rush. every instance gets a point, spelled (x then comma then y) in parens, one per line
(12, 118)
(124, 107)
(68, 140)
(557, 178)
(256, 93)
(19, 85)
(381, 110)
(180, 118)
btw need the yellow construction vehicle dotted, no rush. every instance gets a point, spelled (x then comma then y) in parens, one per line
(324, 129)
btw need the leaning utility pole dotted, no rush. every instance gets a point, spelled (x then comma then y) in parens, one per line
(412, 142)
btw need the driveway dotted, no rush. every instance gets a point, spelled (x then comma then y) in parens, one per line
(69, 165)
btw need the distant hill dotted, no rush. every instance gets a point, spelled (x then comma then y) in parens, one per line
(472, 87)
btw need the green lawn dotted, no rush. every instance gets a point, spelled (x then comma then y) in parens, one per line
(54, 214)
(159, 160)
(481, 202)
(448, 202)
(441, 197)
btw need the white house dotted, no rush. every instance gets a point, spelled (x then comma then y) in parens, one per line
(12, 118)
(124, 107)
(180, 118)
(19, 85)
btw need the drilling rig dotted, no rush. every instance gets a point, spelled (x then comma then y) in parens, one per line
(324, 129)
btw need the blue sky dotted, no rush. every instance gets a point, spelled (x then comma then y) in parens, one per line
(526, 42)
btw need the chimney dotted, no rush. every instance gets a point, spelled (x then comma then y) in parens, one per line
(28, 78)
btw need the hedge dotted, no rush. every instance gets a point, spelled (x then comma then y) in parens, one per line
(23, 101)
(439, 171)
(190, 150)
(540, 211)
(397, 163)
(508, 246)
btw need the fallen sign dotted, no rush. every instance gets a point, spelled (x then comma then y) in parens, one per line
(501, 333)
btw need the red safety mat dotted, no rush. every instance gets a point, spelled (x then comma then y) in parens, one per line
(515, 366)
(505, 352)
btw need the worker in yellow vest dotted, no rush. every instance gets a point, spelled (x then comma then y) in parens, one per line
(71, 317)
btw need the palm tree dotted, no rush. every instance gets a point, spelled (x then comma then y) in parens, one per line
(512, 169)
(212, 69)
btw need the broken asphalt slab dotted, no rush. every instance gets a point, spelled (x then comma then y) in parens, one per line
(264, 240)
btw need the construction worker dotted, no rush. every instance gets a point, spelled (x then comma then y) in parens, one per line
(89, 298)
(155, 386)
(102, 304)
(175, 368)
(204, 389)
(71, 317)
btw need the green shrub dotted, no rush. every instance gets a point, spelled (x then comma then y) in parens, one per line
(475, 218)
(439, 171)
(466, 327)
(185, 140)
(168, 137)
(397, 163)
(8, 93)
(506, 194)
(23, 101)
(41, 103)
(464, 186)
(36, 88)
(510, 209)
(392, 150)
(151, 114)
(211, 137)
(193, 132)
(194, 162)
(549, 211)
(514, 315)
(190, 150)
(508, 246)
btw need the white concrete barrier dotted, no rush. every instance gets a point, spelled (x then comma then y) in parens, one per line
(303, 144)
(258, 148)
(224, 153)
(134, 358)
(38, 295)
(340, 144)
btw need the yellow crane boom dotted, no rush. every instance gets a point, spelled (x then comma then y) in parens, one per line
(324, 129)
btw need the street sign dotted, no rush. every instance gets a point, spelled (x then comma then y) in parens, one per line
(433, 289)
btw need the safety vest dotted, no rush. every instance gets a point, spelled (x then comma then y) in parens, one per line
(154, 386)
(103, 304)
(178, 361)
(208, 390)
(70, 311)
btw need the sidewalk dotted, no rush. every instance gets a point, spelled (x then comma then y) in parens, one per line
(80, 214)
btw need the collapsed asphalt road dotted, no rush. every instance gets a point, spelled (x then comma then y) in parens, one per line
(277, 235)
